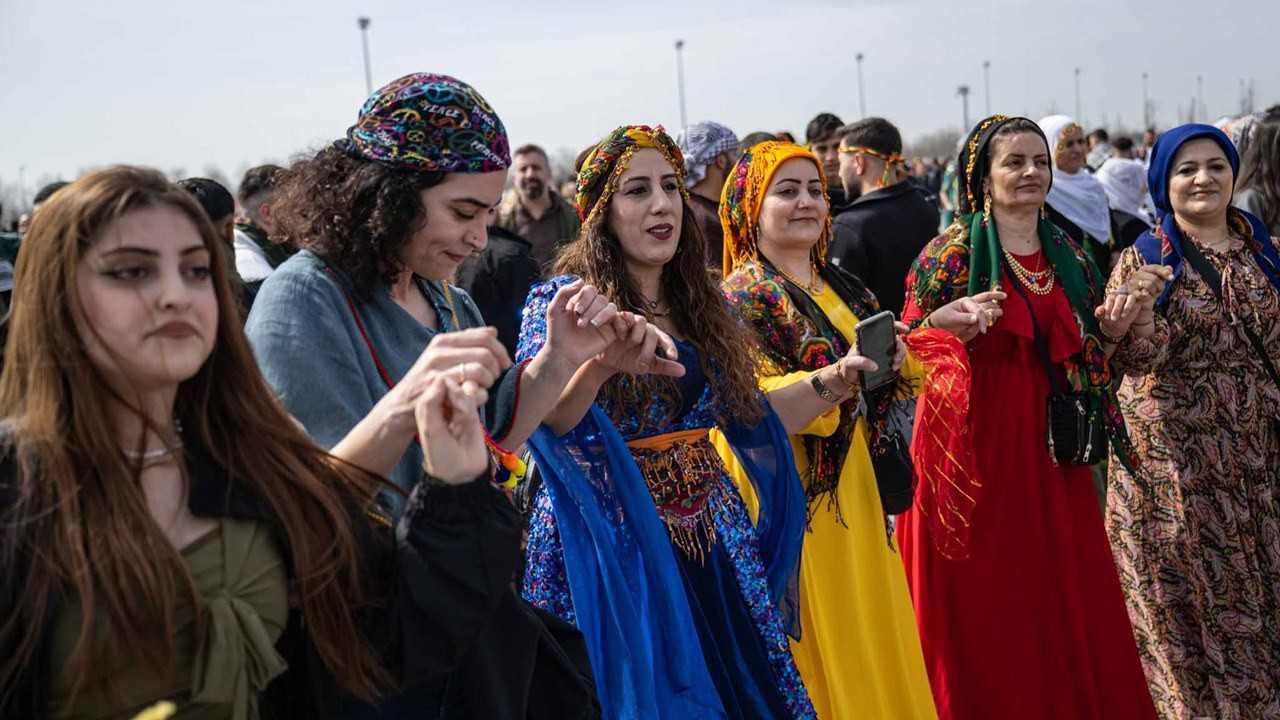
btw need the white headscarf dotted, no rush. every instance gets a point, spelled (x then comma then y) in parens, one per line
(1125, 182)
(1078, 196)
(701, 143)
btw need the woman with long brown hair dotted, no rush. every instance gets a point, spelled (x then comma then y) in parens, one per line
(167, 531)
(639, 533)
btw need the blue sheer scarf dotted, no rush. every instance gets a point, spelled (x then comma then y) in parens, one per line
(623, 576)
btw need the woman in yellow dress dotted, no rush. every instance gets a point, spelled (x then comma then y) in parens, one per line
(858, 652)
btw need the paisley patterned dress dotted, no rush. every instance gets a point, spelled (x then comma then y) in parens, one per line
(1199, 556)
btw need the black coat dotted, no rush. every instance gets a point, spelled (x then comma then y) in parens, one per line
(450, 626)
(499, 280)
(879, 235)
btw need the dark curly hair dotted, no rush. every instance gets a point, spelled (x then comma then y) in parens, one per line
(698, 310)
(354, 214)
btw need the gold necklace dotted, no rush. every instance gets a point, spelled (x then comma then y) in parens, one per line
(813, 287)
(1039, 282)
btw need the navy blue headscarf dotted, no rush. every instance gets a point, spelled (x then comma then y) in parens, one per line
(1165, 240)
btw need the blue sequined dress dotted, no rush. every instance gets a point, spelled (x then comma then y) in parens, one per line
(640, 537)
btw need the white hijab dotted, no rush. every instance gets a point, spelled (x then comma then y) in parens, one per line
(1078, 196)
(1125, 182)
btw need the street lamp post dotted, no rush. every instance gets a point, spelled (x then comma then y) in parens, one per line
(684, 118)
(986, 84)
(1146, 104)
(364, 42)
(1079, 116)
(1201, 111)
(862, 98)
(963, 92)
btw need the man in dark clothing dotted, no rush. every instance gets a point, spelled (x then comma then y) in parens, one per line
(822, 137)
(534, 211)
(498, 280)
(710, 150)
(220, 206)
(887, 221)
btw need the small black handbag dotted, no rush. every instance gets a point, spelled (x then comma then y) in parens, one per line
(1074, 429)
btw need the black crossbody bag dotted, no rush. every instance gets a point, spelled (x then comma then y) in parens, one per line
(1074, 431)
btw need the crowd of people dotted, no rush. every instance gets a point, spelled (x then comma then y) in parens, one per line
(722, 428)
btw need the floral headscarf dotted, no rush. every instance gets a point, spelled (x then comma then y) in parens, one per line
(608, 160)
(744, 192)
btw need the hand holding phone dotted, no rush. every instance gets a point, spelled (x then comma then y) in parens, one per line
(876, 339)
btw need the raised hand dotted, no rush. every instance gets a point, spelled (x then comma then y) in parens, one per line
(642, 349)
(580, 324)
(473, 359)
(1134, 299)
(448, 420)
(967, 317)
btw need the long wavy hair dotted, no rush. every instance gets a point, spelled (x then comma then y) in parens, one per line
(353, 213)
(78, 521)
(699, 312)
(1260, 166)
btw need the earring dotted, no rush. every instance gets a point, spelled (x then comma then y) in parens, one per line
(1043, 214)
(986, 208)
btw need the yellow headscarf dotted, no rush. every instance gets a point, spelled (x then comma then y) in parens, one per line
(744, 192)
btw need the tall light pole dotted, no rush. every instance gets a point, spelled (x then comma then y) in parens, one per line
(963, 92)
(363, 22)
(684, 118)
(862, 98)
(1201, 114)
(986, 84)
(1079, 118)
(1146, 103)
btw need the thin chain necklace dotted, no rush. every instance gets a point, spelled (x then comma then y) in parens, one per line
(1039, 282)
(653, 308)
(813, 287)
(1220, 247)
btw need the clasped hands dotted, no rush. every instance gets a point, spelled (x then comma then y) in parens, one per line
(443, 391)
(1130, 305)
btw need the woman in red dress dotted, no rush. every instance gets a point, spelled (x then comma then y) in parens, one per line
(1020, 610)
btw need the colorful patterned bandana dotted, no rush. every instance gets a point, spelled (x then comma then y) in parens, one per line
(608, 160)
(701, 144)
(430, 123)
(744, 192)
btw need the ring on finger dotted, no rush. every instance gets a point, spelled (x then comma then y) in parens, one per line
(462, 373)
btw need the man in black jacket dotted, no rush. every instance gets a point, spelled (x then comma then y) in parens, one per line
(886, 222)
(499, 279)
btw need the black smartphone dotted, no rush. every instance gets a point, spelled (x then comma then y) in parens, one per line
(878, 341)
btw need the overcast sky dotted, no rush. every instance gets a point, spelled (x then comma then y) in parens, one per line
(230, 83)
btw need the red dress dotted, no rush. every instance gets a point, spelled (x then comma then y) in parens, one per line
(1033, 624)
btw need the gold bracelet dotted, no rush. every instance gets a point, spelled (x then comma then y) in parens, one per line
(928, 321)
(850, 387)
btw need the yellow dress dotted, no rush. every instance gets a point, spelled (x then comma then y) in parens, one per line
(859, 652)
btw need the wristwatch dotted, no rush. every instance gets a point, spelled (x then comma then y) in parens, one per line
(823, 391)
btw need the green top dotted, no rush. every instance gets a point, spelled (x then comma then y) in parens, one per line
(240, 577)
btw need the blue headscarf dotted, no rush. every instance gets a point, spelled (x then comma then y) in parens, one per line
(1165, 240)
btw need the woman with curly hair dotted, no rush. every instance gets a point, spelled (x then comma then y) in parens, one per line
(384, 218)
(168, 533)
(639, 533)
